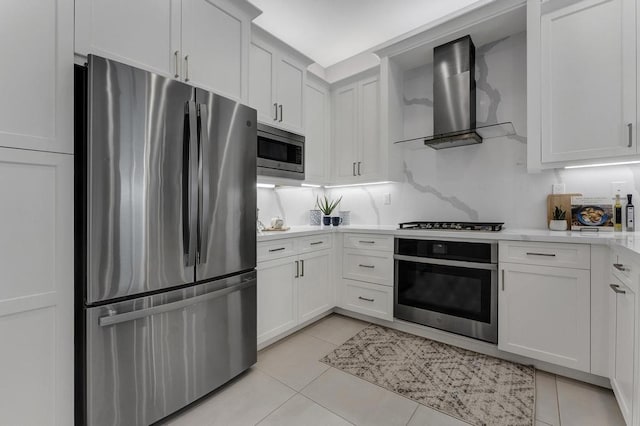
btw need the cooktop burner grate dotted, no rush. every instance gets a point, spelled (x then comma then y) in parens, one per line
(454, 226)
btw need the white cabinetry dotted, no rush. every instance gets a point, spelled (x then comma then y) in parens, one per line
(277, 297)
(36, 77)
(356, 130)
(277, 77)
(36, 295)
(36, 213)
(367, 275)
(624, 335)
(204, 42)
(582, 89)
(294, 283)
(314, 285)
(317, 123)
(544, 311)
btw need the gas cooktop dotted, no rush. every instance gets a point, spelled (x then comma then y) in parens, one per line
(454, 226)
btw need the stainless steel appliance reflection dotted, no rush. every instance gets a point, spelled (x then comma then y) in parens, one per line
(166, 287)
(450, 285)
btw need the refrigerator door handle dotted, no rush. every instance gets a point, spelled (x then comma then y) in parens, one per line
(142, 313)
(190, 187)
(203, 183)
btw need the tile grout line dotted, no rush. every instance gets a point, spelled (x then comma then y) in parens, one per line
(275, 409)
(316, 402)
(555, 383)
(413, 414)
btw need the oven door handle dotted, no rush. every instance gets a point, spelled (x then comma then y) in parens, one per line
(444, 262)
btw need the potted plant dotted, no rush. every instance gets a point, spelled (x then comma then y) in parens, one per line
(559, 220)
(327, 207)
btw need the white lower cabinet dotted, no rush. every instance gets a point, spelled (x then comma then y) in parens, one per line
(624, 335)
(36, 290)
(369, 299)
(367, 275)
(544, 313)
(292, 289)
(277, 298)
(622, 303)
(314, 285)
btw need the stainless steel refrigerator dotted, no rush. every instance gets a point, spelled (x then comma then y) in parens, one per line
(165, 259)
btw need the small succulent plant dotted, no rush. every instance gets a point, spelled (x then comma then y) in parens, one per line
(327, 206)
(559, 214)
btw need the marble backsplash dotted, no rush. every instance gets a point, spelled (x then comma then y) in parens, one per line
(486, 182)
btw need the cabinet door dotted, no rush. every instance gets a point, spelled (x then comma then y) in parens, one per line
(289, 92)
(314, 285)
(36, 104)
(142, 33)
(623, 317)
(277, 297)
(261, 83)
(212, 44)
(588, 79)
(544, 313)
(345, 138)
(36, 294)
(317, 127)
(369, 108)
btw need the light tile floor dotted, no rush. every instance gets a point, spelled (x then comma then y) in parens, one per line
(289, 386)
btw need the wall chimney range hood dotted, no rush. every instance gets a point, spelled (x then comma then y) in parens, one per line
(454, 99)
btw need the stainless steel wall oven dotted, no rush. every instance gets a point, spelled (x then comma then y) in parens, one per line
(449, 285)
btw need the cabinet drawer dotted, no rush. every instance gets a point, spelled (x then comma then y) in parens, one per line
(314, 243)
(369, 242)
(625, 267)
(368, 299)
(275, 249)
(368, 265)
(576, 256)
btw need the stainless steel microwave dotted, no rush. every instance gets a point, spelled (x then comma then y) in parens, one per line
(280, 153)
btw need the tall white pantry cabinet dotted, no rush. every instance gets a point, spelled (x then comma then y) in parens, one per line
(36, 212)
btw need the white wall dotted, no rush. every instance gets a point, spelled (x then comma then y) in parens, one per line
(483, 182)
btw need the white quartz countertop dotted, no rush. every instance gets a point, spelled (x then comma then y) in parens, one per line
(628, 240)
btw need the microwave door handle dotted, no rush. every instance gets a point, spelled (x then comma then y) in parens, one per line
(204, 200)
(189, 186)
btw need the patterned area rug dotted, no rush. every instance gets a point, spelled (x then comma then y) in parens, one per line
(475, 388)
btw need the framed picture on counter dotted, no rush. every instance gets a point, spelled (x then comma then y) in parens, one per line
(591, 214)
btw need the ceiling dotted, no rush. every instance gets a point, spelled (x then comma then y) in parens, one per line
(329, 31)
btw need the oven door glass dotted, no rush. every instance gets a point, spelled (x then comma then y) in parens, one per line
(452, 290)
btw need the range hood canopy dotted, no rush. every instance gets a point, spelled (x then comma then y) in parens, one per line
(454, 99)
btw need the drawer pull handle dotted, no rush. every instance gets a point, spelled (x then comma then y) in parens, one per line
(541, 254)
(297, 269)
(316, 243)
(619, 267)
(278, 249)
(366, 266)
(367, 242)
(365, 299)
(616, 288)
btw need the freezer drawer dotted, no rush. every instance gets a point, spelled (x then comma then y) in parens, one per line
(151, 356)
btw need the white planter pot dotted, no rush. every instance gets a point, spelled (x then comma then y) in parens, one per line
(558, 225)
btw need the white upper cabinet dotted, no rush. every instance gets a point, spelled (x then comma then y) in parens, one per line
(36, 106)
(204, 42)
(317, 131)
(582, 81)
(277, 78)
(356, 131)
(143, 33)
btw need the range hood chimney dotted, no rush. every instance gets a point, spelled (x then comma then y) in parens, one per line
(454, 99)
(454, 93)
